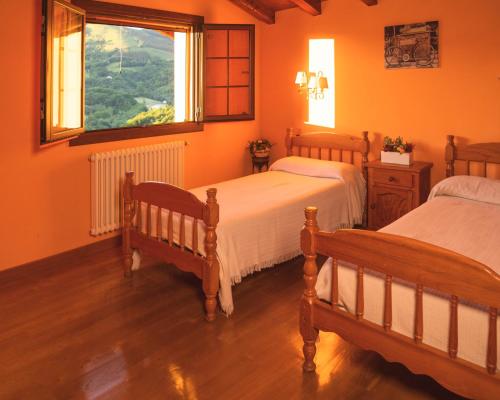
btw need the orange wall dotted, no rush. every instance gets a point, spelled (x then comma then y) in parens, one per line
(45, 195)
(462, 96)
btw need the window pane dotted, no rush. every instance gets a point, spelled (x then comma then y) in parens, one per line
(321, 60)
(134, 77)
(67, 88)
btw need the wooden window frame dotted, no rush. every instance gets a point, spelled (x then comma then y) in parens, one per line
(227, 118)
(50, 134)
(118, 14)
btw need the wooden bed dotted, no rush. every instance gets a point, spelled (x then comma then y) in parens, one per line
(138, 227)
(418, 263)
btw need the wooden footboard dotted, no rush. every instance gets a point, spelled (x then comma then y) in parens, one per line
(417, 262)
(140, 201)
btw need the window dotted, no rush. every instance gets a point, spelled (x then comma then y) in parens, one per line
(134, 77)
(321, 59)
(115, 72)
(229, 68)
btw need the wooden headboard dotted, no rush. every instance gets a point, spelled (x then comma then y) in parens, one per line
(330, 142)
(485, 153)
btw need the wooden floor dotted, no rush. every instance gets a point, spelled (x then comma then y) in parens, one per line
(77, 330)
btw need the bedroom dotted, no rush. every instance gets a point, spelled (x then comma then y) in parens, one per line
(46, 198)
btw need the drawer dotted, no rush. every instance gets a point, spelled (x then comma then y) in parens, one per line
(393, 177)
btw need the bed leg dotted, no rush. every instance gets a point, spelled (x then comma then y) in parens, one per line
(211, 268)
(128, 215)
(309, 335)
(127, 265)
(210, 288)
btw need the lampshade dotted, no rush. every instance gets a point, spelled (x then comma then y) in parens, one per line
(313, 81)
(322, 83)
(301, 78)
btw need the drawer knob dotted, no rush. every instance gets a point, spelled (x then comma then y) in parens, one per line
(392, 179)
(373, 205)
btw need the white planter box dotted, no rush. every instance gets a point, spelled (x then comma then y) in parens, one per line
(394, 157)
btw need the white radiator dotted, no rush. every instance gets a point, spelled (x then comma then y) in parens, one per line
(161, 162)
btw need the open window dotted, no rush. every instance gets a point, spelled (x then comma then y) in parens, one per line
(114, 72)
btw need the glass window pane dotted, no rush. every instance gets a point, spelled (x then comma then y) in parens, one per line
(321, 61)
(134, 77)
(67, 31)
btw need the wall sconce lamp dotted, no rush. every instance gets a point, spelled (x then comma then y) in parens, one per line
(314, 82)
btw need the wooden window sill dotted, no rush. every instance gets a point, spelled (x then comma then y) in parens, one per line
(111, 135)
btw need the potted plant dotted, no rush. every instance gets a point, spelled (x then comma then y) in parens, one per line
(397, 151)
(260, 148)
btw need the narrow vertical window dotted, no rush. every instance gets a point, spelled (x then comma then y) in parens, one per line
(321, 62)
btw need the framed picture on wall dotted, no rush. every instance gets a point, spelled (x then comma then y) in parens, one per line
(412, 45)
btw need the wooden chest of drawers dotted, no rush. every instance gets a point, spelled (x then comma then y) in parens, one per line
(394, 190)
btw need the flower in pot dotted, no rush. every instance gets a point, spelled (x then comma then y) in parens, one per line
(397, 151)
(260, 148)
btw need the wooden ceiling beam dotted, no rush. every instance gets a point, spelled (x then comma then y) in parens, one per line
(257, 9)
(312, 7)
(370, 2)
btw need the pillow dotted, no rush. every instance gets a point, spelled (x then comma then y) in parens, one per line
(314, 167)
(468, 187)
(355, 185)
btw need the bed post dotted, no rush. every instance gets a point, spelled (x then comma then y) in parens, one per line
(364, 168)
(450, 156)
(307, 330)
(290, 133)
(364, 153)
(211, 269)
(128, 215)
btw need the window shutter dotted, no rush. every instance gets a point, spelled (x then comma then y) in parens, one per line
(63, 71)
(229, 64)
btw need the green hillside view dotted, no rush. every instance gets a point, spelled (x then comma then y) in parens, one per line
(129, 77)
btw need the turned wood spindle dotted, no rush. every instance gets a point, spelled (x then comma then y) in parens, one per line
(195, 237)
(450, 156)
(170, 228)
(491, 359)
(468, 167)
(341, 155)
(453, 334)
(388, 303)
(352, 157)
(330, 151)
(360, 297)
(335, 282)
(139, 217)
(485, 169)
(158, 224)
(309, 151)
(419, 314)
(148, 220)
(182, 233)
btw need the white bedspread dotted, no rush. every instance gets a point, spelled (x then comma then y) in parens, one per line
(468, 227)
(260, 219)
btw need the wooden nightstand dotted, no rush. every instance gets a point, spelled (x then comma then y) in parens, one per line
(394, 190)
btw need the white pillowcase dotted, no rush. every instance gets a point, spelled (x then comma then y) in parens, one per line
(314, 167)
(468, 187)
(352, 177)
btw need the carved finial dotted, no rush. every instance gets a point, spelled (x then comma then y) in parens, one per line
(311, 214)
